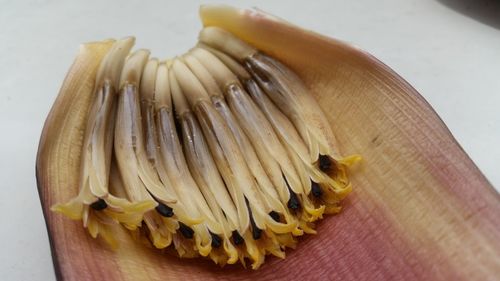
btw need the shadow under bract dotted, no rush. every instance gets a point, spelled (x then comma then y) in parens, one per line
(484, 11)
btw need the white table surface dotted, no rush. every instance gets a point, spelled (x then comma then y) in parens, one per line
(452, 59)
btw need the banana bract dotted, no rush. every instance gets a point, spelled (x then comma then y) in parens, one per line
(236, 149)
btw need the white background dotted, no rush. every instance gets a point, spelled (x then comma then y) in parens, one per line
(449, 50)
